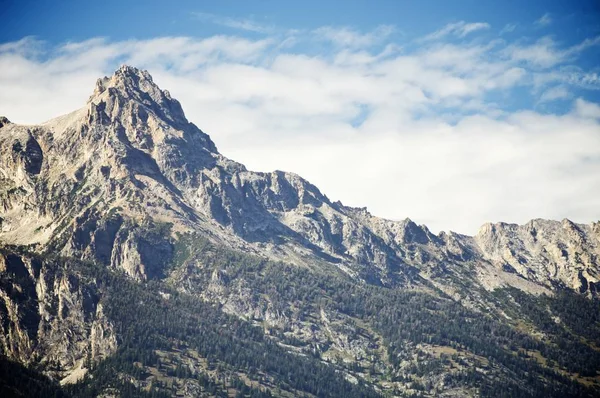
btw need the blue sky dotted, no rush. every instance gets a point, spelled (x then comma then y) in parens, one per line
(77, 20)
(451, 113)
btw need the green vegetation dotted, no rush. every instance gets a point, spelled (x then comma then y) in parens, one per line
(569, 321)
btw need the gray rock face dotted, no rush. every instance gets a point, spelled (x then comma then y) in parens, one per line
(546, 252)
(50, 317)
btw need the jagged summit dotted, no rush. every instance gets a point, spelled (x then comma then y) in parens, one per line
(127, 79)
(144, 115)
(129, 84)
(149, 119)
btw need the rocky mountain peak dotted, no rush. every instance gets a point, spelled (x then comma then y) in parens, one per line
(148, 119)
(131, 93)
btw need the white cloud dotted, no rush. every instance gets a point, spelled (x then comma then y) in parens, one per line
(459, 29)
(542, 53)
(406, 133)
(544, 20)
(587, 109)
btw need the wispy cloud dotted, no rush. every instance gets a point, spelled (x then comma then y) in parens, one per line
(348, 37)
(570, 76)
(247, 24)
(508, 28)
(555, 93)
(459, 29)
(28, 46)
(584, 45)
(545, 52)
(544, 20)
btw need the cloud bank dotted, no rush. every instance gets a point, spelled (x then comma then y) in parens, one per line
(433, 129)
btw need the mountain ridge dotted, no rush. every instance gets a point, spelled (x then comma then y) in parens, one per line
(143, 139)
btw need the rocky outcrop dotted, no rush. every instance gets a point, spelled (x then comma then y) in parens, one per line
(50, 316)
(546, 252)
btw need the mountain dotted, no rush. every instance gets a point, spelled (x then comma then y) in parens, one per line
(137, 260)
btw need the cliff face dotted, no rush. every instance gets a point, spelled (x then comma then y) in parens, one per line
(125, 180)
(50, 316)
(546, 252)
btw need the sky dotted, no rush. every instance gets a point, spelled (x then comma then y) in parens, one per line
(453, 114)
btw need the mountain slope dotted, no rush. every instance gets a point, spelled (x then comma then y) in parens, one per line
(127, 185)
